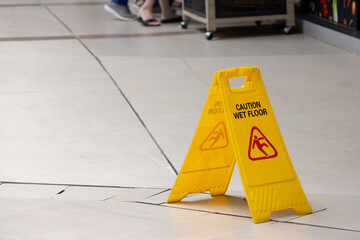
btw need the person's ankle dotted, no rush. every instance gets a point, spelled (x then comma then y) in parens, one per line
(145, 8)
(165, 17)
(144, 13)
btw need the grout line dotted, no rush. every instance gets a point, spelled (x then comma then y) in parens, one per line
(74, 3)
(51, 4)
(301, 216)
(134, 201)
(242, 216)
(321, 226)
(73, 185)
(109, 197)
(119, 89)
(133, 35)
(21, 5)
(80, 185)
(38, 38)
(60, 21)
(148, 203)
(192, 70)
(94, 36)
(157, 193)
(194, 210)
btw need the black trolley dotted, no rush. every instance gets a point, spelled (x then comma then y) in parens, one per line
(213, 12)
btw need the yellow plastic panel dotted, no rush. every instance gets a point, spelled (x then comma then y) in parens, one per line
(209, 162)
(240, 122)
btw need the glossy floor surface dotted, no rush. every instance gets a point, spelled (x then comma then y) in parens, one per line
(97, 115)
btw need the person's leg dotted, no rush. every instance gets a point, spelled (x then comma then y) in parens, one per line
(176, 3)
(146, 13)
(166, 12)
(120, 9)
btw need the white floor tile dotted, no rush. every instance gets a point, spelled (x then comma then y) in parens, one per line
(208, 226)
(341, 212)
(290, 231)
(38, 62)
(49, 161)
(29, 21)
(59, 219)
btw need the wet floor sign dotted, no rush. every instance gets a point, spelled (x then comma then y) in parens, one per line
(238, 124)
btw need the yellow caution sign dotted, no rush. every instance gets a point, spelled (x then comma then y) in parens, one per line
(239, 124)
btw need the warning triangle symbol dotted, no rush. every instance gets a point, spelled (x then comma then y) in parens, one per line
(259, 146)
(216, 139)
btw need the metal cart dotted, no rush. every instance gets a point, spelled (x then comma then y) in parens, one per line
(213, 12)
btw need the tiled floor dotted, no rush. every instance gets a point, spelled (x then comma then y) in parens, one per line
(97, 115)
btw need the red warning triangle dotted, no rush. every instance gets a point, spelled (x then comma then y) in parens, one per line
(260, 147)
(216, 139)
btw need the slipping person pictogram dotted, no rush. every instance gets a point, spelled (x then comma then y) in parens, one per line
(216, 139)
(260, 147)
(217, 136)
